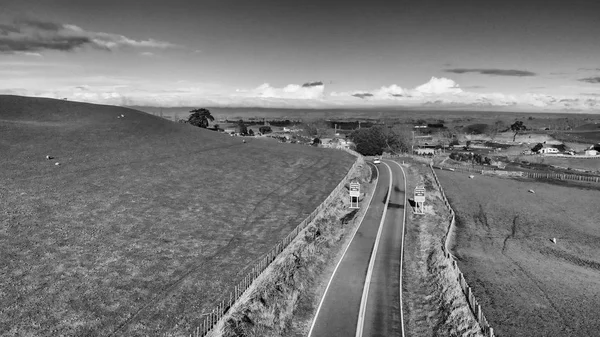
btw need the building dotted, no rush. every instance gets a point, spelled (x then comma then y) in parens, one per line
(591, 152)
(422, 152)
(548, 150)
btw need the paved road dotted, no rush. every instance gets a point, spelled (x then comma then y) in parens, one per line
(339, 311)
(382, 315)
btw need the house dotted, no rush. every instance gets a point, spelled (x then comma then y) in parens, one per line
(548, 150)
(591, 152)
(422, 152)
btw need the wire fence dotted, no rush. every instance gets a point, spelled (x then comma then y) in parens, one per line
(210, 320)
(525, 174)
(486, 329)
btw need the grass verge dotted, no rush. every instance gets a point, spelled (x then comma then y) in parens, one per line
(283, 300)
(433, 302)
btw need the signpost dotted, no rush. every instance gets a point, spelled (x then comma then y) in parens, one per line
(354, 194)
(420, 199)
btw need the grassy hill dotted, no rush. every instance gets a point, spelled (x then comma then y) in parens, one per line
(144, 223)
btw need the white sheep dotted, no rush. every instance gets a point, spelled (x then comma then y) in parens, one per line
(57, 163)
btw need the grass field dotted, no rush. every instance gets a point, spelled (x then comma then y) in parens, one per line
(526, 284)
(144, 223)
(433, 302)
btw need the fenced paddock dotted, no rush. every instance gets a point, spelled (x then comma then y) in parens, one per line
(486, 329)
(213, 317)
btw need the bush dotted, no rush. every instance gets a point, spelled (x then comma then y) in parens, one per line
(265, 129)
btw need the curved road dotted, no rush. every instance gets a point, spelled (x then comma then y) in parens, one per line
(364, 294)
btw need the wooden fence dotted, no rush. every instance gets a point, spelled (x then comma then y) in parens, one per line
(486, 329)
(211, 319)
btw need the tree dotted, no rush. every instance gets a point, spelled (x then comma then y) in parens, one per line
(242, 128)
(265, 129)
(316, 128)
(200, 117)
(493, 130)
(250, 132)
(517, 127)
(537, 147)
(316, 142)
(375, 140)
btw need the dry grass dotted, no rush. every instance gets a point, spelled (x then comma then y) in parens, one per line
(434, 304)
(526, 284)
(144, 224)
(282, 301)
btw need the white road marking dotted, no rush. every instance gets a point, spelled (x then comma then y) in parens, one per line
(340, 261)
(402, 251)
(363, 303)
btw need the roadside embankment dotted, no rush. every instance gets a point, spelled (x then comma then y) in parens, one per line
(433, 301)
(283, 299)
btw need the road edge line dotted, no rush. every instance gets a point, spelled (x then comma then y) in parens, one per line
(363, 303)
(402, 251)
(312, 326)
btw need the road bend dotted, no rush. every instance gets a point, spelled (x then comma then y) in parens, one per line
(383, 308)
(339, 308)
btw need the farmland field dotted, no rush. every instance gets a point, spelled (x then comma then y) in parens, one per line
(144, 223)
(528, 285)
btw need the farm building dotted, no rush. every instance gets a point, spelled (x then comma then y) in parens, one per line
(548, 150)
(591, 152)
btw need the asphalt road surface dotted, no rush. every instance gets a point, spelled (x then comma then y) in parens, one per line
(339, 313)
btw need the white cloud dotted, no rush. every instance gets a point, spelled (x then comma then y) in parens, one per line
(439, 93)
(438, 86)
(444, 92)
(290, 91)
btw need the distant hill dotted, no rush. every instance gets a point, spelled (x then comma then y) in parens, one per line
(144, 223)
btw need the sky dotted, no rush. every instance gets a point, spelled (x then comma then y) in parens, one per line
(498, 55)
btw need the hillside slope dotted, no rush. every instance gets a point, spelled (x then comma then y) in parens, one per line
(144, 223)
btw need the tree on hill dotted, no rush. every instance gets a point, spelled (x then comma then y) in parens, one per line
(242, 128)
(200, 117)
(517, 127)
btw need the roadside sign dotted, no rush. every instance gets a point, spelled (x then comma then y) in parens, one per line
(419, 199)
(354, 194)
(354, 189)
(419, 194)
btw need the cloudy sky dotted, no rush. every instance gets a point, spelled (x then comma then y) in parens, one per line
(510, 55)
